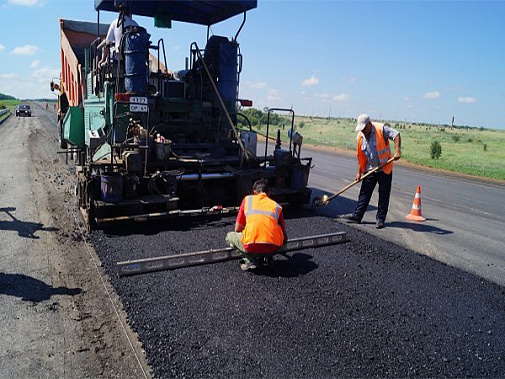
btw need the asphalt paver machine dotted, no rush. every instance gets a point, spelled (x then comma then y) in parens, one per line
(149, 143)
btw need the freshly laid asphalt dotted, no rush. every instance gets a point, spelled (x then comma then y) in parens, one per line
(366, 308)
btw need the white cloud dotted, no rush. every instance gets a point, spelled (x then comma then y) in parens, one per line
(8, 76)
(432, 95)
(35, 64)
(26, 3)
(467, 100)
(44, 75)
(274, 95)
(33, 86)
(348, 79)
(340, 98)
(25, 50)
(2, 47)
(312, 81)
(330, 98)
(256, 85)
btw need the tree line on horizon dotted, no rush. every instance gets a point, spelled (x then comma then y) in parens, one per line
(257, 117)
(6, 97)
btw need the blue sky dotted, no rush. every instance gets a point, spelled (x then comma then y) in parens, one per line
(421, 61)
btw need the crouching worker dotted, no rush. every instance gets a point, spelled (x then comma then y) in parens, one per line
(259, 229)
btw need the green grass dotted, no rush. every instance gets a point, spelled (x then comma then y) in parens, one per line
(11, 104)
(472, 151)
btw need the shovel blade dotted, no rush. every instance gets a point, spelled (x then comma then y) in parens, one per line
(320, 201)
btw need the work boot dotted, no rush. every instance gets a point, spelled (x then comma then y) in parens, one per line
(269, 260)
(352, 219)
(379, 224)
(266, 261)
(246, 264)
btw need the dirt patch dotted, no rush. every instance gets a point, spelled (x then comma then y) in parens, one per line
(81, 326)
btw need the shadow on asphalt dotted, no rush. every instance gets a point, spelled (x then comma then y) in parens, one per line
(418, 227)
(31, 289)
(341, 206)
(288, 266)
(25, 229)
(150, 228)
(338, 206)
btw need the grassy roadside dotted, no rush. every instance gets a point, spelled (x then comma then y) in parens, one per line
(9, 104)
(470, 151)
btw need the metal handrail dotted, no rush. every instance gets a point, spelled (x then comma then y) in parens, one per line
(268, 126)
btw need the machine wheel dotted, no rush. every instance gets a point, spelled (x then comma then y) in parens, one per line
(86, 203)
(91, 216)
(63, 143)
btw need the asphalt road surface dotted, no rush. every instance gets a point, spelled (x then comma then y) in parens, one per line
(465, 217)
(367, 308)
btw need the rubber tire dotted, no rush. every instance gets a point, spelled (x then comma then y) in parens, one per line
(63, 143)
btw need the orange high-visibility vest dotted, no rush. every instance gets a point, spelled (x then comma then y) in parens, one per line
(262, 221)
(383, 150)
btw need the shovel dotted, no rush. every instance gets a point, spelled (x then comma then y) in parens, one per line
(325, 199)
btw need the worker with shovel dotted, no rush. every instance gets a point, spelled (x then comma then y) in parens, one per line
(373, 155)
(260, 230)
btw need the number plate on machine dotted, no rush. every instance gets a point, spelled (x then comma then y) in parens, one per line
(138, 104)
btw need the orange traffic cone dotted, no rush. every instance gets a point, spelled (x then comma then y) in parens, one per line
(415, 213)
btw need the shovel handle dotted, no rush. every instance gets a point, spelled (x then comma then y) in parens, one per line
(359, 180)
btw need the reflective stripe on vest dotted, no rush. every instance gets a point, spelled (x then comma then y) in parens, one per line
(250, 211)
(382, 146)
(262, 221)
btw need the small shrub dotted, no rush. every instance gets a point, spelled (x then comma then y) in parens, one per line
(436, 150)
(456, 138)
(485, 146)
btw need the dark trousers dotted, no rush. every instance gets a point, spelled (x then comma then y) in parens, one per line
(365, 193)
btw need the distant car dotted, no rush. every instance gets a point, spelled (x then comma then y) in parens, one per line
(23, 110)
